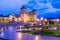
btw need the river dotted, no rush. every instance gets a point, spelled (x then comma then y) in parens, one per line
(11, 34)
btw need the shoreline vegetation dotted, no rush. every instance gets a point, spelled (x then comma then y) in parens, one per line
(55, 33)
(44, 31)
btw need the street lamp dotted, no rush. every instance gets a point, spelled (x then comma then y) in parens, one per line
(42, 18)
(45, 19)
(57, 20)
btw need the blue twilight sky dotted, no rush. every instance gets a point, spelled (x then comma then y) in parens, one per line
(45, 8)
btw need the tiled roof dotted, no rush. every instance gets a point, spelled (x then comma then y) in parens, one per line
(4, 15)
(23, 7)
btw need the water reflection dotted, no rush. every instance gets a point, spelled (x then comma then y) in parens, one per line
(10, 28)
(2, 34)
(19, 36)
(13, 35)
(2, 28)
(36, 37)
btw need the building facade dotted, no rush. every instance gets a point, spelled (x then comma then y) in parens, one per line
(25, 16)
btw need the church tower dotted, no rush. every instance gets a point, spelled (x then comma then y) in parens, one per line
(23, 9)
(34, 11)
(24, 15)
(33, 15)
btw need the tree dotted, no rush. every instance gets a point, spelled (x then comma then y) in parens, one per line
(45, 28)
(34, 25)
(27, 26)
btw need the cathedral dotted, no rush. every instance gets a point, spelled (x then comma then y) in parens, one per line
(25, 16)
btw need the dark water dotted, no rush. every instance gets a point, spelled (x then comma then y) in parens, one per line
(11, 34)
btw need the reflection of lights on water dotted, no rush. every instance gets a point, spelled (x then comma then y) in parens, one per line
(19, 36)
(36, 37)
(2, 28)
(2, 34)
(10, 28)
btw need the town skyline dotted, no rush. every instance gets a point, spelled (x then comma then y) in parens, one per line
(44, 7)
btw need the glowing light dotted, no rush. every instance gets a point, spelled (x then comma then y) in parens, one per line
(20, 28)
(40, 28)
(19, 36)
(37, 19)
(16, 20)
(40, 24)
(2, 34)
(36, 37)
(19, 19)
(55, 28)
(45, 19)
(10, 28)
(42, 18)
(57, 19)
(10, 16)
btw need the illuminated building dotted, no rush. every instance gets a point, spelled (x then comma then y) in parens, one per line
(25, 16)
(4, 19)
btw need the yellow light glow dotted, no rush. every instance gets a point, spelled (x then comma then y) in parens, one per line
(19, 19)
(16, 20)
(25, 18)
(36, 37)
(19, 36)
(45, 19)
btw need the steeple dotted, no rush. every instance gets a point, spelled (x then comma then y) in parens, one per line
(23, 7)
(34, 11)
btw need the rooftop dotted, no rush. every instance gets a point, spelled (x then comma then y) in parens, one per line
(23, 7)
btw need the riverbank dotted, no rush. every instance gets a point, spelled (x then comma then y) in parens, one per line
(55, 33)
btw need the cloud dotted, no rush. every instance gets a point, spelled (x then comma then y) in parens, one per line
(42, 6)
(7, 4)
(11, 6)
(56, 3)
(48, 7)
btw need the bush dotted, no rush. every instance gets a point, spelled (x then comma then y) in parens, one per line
(34, 25)
(27, 26)
(45, 28)
(48, 33)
